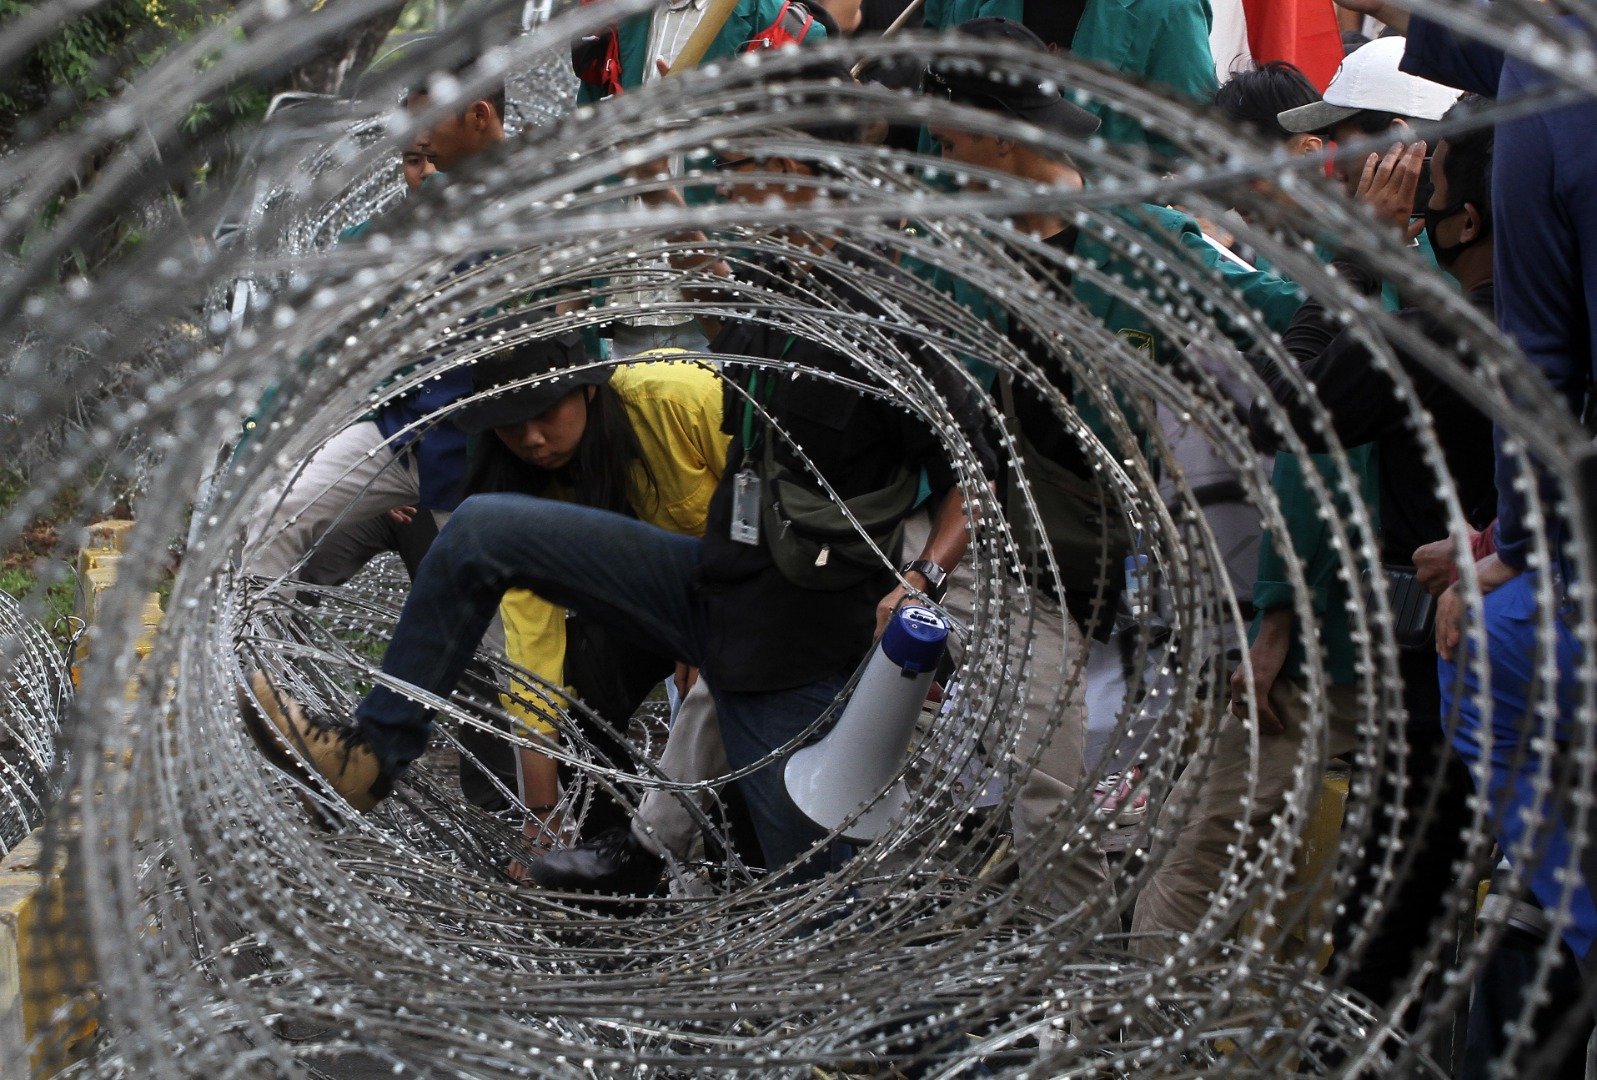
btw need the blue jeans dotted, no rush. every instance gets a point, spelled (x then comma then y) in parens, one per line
(635, 579)
(1513, 762)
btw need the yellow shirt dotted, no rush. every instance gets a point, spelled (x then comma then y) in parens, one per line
(675, 410)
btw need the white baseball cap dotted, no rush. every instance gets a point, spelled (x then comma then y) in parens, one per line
(1369, 80)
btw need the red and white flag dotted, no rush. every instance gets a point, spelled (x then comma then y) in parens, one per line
(1304, 32)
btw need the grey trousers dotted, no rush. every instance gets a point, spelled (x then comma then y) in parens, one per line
(693, 753)
(319, 527)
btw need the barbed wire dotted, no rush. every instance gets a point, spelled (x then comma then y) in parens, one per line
(244, 922)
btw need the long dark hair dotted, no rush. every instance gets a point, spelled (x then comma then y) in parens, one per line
(602, 473)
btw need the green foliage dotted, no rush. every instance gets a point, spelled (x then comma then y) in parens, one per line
(60, 598)
(86, 57)
(86, 60)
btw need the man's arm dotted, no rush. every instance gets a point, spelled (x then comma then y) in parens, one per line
(1275, 298)
(1308, 532)
(1543, 220)
(1340, 369)
(1436, 53)
(1266, 658)
(1390, 14)
(945, 546)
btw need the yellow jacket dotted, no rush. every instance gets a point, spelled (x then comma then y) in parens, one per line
(675, 410)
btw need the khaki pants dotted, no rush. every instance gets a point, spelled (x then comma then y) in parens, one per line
(1047, 764)
(1050, 769)
(1213, 794)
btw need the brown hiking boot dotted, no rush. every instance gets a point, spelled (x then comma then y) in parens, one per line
(339, 755)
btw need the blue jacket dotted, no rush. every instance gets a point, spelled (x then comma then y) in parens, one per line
(1544, 209)
(439, 448)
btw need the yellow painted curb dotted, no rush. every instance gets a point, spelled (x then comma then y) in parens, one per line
(47, 997)
(111, 533)
(97, 568)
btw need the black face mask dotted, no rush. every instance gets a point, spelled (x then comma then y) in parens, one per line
(1448, 255)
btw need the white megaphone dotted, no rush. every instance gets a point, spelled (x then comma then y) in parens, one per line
(850, 769)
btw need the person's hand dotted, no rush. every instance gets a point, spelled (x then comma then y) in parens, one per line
(1391, 15)
(1267, 657)
(1450, 609)
(1389, 184)
(402, 515)
(1214, 231)
(684, 678)
(1434, 564)
(1492, 573)
(892, 600)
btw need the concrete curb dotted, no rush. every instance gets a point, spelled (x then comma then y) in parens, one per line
(48, 996)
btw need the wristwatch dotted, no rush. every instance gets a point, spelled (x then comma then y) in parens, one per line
(936, 577)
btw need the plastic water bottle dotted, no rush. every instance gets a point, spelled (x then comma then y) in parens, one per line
(1137, 584)
(849, 768)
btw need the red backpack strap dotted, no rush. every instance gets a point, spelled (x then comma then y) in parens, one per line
(792, 26)
(596, 59)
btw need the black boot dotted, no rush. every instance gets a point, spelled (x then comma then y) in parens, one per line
(614, 862)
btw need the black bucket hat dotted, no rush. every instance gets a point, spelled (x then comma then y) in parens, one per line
(980, 83)
(521, 361)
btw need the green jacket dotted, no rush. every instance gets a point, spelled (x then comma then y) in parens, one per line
(1165, 42)
(1310, 534)
(1273, 297)
(748, 19)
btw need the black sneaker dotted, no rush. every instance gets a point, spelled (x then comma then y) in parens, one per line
(614, 862)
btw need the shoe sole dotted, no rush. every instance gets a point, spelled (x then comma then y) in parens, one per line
(268, 732)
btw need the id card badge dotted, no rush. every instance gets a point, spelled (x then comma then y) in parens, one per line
(746, 508)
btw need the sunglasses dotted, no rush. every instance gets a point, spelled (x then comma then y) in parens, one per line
(722, 164)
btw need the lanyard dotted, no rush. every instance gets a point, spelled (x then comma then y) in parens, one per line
(753, 395)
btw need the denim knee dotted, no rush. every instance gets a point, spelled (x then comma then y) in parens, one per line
(478, 514)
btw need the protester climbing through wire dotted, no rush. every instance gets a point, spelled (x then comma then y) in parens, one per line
(777, 640)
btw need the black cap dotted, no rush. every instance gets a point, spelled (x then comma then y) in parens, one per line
(977, 82)
(526, 360)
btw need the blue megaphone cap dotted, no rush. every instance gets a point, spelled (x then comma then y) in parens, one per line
(914, 639)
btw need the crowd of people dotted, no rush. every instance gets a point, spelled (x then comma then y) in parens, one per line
(622, 521)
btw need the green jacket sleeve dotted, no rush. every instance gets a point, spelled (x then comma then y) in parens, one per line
(1274, 297)
(1310, 538)
(943, 14)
